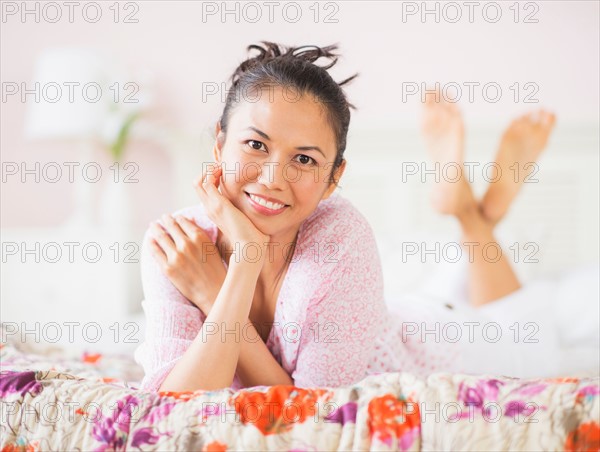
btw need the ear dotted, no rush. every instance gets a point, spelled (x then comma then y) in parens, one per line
(336, 177)
(220, 140)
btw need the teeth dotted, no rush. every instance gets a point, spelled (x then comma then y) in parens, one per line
(267, 204)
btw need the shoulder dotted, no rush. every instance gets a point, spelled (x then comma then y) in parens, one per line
(196, 213)
(338, 227)
(340, 253)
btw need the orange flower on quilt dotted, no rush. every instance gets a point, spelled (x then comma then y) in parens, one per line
(91, 358)
(562, 380)
(182, 395)
(392, 418)
(586, 437)
(277, 409)
(22, 446)
(215, 446)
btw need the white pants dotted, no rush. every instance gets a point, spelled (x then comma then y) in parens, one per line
(548, 328)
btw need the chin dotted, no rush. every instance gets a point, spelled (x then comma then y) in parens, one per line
(264, 226)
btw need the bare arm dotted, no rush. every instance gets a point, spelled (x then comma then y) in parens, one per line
(214, 355)
(256, 365)
(210, 362)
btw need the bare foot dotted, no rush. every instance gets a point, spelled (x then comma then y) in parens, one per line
(443, 131)
(520, 147)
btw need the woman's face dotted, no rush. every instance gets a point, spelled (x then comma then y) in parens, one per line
(277, 159)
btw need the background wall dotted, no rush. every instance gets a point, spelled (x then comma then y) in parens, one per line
(179, 51)
(170, 40)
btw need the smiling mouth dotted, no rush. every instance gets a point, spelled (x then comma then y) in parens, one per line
(266, 204)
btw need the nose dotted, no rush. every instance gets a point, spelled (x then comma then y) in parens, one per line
(271, 174)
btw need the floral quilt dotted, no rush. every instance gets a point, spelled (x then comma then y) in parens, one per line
(53, 400)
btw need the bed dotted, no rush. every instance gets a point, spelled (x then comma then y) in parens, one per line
(55, 399)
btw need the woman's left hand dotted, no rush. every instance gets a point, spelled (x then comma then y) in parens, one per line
(233, 223)
(189, 259)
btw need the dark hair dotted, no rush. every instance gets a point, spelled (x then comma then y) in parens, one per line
(292, 67)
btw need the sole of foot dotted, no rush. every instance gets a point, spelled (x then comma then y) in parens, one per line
(443, 132)
(521, 145)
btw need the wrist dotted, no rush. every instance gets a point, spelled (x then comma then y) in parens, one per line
(203, 305)
(248, 255)
(204, 301)
(245, 267)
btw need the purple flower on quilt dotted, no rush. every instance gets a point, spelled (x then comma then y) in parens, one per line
(589, 391)
(144, 436)
(531, 389)
(409, 438)
(483, 390)
(471, 396)
(106, 433)
(159, 412)
(518, 408)
(125, 409)
(476, 397)
(343, 414)
(209, 409)
(22, 382)
(112, 430)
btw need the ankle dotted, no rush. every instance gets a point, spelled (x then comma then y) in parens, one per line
(473, 223)
(489, 214)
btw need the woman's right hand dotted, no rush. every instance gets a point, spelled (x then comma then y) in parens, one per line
(189, 259)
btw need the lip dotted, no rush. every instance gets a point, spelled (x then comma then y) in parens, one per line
(266, 198)
(262, 209)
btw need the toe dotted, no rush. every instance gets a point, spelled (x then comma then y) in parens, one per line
(549, 119)
(535, 117)
(523, 119)
(431, 97)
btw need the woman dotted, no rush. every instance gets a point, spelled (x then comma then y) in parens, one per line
(270, 245)
(274, 278)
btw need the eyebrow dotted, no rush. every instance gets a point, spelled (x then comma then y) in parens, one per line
(300, 148)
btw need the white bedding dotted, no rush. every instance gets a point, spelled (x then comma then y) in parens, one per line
(561, 314)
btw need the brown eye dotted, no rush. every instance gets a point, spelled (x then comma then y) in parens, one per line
(305, 159)
(255, 144)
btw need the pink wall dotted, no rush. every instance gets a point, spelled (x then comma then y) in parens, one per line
(560, 53)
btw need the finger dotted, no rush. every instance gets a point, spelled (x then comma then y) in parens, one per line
(179, 237)
(220, 179)
(218, 175)
(200, 190)
(158, 252)
(199, 183)
(211, 183)
(192, 230)
(213, 199)
(163, 239)
(209, 170)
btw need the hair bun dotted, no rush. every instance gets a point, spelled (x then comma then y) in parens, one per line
(271, 50)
